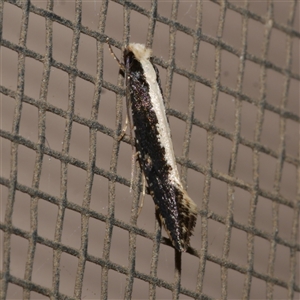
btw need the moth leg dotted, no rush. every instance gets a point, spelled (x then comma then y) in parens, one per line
(123, 130)
(133, 159)
(143, 195)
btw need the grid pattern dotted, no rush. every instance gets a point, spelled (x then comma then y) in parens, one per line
(282, 156)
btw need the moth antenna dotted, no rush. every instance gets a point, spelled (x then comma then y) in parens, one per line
(128, 118)
(141, 204)
(132, 170)
(115, 57)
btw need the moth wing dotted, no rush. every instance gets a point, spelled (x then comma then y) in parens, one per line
(177, 212)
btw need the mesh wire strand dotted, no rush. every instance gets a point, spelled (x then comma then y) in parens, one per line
(41, 148)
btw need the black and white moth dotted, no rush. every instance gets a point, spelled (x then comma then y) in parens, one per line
(176, 210)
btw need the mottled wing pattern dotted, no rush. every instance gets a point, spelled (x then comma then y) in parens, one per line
(176, 210)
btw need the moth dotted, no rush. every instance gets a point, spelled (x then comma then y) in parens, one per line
(176, 210)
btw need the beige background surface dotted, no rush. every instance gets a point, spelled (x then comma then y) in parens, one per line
(79, 148)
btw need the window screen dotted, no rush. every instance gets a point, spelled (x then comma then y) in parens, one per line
(70, 227)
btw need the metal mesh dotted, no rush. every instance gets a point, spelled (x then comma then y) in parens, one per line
(236, 128)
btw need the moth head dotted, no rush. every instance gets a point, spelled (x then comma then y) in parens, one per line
(139, 51)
